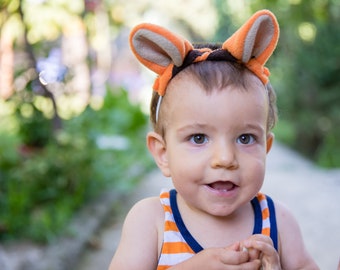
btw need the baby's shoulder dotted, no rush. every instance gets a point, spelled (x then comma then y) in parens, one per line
(283, 213)
(149, 203)
(147, 210)
(285, 219)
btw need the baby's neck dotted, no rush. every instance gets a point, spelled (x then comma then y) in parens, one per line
(216, 231)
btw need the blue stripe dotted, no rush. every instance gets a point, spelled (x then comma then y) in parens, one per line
(196, 247)
(257, 216)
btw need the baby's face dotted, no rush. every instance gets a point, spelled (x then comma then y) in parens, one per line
(216, 144)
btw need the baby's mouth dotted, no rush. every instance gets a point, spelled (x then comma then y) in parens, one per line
(222, 186)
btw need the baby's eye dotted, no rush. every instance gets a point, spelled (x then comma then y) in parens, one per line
(246, 139)
(198, 139)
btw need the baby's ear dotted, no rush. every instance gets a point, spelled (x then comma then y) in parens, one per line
(159, 50)
(255, 42)
(158, 150)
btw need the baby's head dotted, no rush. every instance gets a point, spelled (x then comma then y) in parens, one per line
(237, 63)
(214, 76)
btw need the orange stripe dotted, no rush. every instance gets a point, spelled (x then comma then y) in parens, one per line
(163, 267)
(176, 247)
(265, 213)
(165, 195)
(266, 231)
(170, 226)
(167, 208)
(261, 196)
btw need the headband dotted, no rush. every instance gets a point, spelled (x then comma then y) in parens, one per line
(166, 53)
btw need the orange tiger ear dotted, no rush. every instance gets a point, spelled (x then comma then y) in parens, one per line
(255, 42)
(159, 50)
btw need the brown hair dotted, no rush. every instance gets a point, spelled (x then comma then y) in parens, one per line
(219, 75)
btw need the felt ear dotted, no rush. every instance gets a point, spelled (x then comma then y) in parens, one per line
(255, 41)
(159, 50)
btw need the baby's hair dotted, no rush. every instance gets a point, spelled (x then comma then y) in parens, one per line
(218, 75)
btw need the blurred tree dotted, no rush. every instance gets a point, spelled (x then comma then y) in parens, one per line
(309, 95)
(225, 26)
(314, 86)
(32, 64)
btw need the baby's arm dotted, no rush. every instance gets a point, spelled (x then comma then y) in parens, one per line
(293, 252)
(138, 247)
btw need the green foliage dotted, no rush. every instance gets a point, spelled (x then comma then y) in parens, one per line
(35, 129)
(225, 25)
(309, 96)
(41, 188)
(44, 187)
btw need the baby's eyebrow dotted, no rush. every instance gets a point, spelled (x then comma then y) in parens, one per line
(254, 127)
(192, 126)
(202, 127)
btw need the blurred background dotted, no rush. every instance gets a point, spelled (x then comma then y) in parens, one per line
(74, 101)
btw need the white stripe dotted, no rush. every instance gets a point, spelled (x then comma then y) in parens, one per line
(172, 259)
(168, 217)
(266, 223)
(165, 201)
(263, 204)
(172, 236)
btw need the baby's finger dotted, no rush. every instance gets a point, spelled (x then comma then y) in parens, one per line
(261, 243)
(264, 247)
(235, 247)
(234, 257)
(261, 237)
(269, 255)
(253, 253)
(257, 239)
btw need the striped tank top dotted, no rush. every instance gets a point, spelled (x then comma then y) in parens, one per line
(179, 245)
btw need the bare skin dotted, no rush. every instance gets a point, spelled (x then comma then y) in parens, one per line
(226, 143)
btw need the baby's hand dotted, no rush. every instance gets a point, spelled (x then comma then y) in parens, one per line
(261, 247)
(231, 257)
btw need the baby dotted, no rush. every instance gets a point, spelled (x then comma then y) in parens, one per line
(212, 113)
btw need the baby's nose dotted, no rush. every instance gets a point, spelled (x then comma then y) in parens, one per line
(224, 156)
